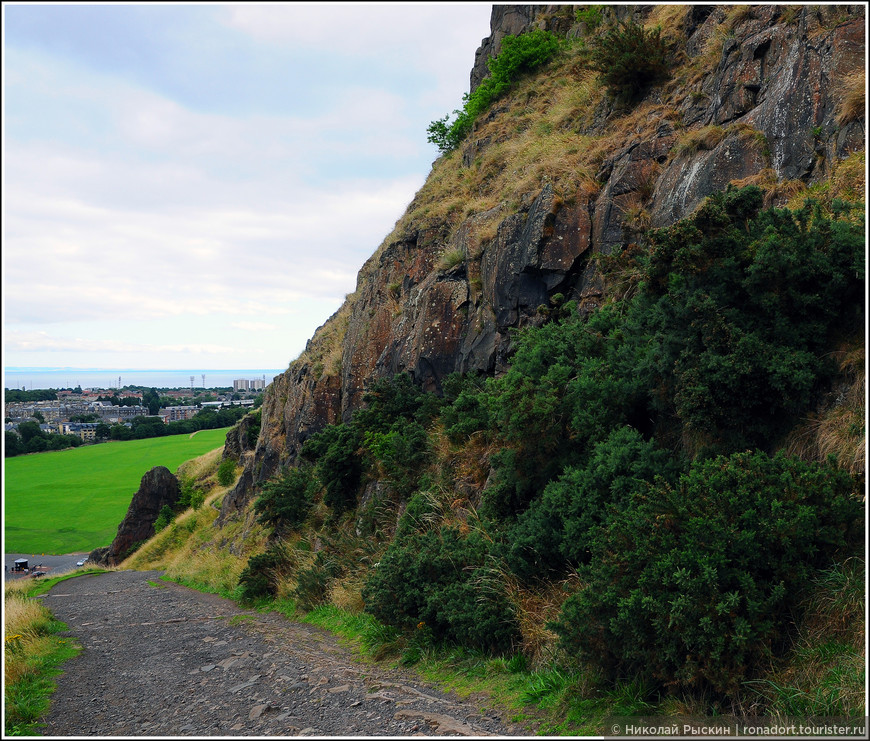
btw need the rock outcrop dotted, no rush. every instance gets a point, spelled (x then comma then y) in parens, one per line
(159, 488)
(760, 102)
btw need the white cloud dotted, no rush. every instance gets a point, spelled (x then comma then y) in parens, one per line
(125, 202)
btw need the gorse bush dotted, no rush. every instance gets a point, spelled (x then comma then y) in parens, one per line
(692, 584)
(439, 578)
(260, 578)
(226, 472)
(389, 429)
(285, 502)
(554, 533)
(338, 464)
(731, 327)
(629, 60)
(518, 55)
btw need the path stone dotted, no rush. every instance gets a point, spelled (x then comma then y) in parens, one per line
(278, 677)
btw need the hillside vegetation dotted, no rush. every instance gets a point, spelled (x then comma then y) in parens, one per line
(657, 506)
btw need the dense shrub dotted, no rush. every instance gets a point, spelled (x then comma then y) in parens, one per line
(518, 55)
(338, 464)
(313, 582)
(263, 573)
(566, 389)
(285, 502)
(692, 584)
(629, 59)
(731, 329)
(554, 532)
(441, 579)
(226, 472)
(389, 428)
(401, 451)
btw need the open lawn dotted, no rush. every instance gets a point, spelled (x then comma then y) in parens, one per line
(73, 500)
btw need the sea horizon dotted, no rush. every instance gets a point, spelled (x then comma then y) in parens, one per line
(59, 377)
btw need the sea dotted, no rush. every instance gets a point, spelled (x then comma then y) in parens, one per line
(103, 378)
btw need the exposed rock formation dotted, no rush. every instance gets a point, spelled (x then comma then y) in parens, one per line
(159, 488)
(763, 103)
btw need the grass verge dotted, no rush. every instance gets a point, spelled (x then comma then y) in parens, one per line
(33, 651)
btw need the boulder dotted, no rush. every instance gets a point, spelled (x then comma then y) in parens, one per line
(159, 488)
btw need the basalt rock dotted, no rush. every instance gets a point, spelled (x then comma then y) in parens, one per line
(444, 297)
(159, 488)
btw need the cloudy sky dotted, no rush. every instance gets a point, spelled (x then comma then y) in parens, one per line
(196, 186)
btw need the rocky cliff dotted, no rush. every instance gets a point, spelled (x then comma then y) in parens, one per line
(158, 489)
(557, 174)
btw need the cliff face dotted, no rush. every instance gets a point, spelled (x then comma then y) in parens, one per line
(756, 95)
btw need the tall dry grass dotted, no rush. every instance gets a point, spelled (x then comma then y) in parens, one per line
(839, 429)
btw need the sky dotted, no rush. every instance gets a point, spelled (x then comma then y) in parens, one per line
(196, 186)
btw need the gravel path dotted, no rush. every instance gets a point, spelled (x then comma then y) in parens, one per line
(163, 660)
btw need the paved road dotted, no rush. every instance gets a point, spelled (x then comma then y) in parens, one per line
(51, 564)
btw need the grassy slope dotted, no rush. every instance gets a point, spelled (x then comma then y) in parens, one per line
(73, 500)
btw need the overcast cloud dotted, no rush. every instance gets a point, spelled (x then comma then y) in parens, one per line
(196, 186)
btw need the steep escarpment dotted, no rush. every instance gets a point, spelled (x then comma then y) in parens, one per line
(555, 175)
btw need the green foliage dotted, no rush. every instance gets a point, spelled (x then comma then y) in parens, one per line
(591, 15)
(226, 472)
(167, 514)
(254, 428)
(733, 323)
(259, 579)
(518, 55)
(554, 532)
(390, 428)
(338, 465)
(312, 583)
(565, 390)
(692, 585)
(285, 502)
(440, 579)
(629, 59)
(16, 395)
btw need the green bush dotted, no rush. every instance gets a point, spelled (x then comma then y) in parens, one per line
(732, 330)
(259, 579)
(441, 579)
(692, 585)
(226, 472)
(402, 452)
(518, 55)
(338, 464)
(553, 534)
(629, 59)
(285, 502)
(312, 583)
(165, 516)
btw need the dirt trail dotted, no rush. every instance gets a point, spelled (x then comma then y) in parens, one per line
(163, 660)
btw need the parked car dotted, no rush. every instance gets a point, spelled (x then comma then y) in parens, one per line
(82, 562)
(37, 574)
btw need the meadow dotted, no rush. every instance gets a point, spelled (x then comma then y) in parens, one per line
(72, 501)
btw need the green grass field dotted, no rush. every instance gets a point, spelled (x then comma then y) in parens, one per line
(73, 500)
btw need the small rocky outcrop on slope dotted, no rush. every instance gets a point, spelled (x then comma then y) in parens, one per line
(757, 99)
(159, 488)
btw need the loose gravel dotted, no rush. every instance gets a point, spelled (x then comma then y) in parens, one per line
(159, 659)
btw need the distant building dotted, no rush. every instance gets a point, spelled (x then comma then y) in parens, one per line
(242, 384)
(176, 414)
(258, 384)
(87, 431)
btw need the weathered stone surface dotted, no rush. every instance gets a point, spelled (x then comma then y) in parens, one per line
(159, 488)
(773, 92)
(238, 440)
